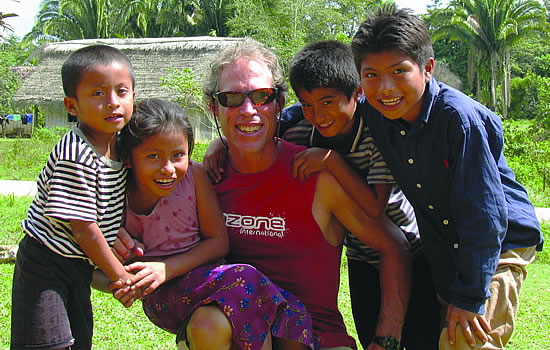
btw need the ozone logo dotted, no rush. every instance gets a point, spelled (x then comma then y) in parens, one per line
(254, 222)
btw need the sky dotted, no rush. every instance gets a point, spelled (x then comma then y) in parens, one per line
(27, 9)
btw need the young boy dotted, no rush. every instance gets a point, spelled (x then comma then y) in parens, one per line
(444, 149)
(324, 77)
(77, 211)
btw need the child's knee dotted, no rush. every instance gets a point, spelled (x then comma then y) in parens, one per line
(209, 328)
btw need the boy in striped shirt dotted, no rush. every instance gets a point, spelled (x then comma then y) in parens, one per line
(76, 213)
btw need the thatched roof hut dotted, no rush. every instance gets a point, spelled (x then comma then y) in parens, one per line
(151, 58)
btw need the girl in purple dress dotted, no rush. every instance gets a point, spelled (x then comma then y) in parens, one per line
(173, 210)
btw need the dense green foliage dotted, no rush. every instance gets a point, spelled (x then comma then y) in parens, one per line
(186, 91)
(490, 29)
(527, 150)
(13, 54)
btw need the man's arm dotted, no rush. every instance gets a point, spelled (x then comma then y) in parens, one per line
(380, 234)
(214, 159)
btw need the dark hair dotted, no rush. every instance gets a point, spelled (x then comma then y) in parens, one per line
(324, 64)
(152, 116)
(393, 29)
(86, 59)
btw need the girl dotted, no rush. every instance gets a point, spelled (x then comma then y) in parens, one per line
(173, 210)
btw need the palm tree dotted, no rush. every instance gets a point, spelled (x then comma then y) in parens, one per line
(72, 19)
(168, 18)
(491, 28)
(211, 16)
(3, 24)
(152, 18)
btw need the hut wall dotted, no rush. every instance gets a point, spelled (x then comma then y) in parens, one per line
(16, 128)
(203, 127)
(152, 58)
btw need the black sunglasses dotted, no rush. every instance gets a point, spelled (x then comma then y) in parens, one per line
(259, 97)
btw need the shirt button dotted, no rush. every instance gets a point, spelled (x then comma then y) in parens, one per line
(411, 161)
(403, 133)
(455, 246)
(418, 186)
(445, 222)
(431, 207)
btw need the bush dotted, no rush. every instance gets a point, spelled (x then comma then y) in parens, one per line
(527, 152)
(543, 257)
(49, 135)
(524, 97)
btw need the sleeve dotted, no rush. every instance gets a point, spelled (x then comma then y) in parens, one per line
(72, 192)
(290, 116)
(479, 208)
(378, 171)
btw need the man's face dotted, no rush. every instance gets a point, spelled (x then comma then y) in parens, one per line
(329, 110)
(249, 128)
(394, 84)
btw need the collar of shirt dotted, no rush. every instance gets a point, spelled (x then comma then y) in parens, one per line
(344, 146)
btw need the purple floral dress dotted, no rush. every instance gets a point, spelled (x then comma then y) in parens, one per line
(252, 303)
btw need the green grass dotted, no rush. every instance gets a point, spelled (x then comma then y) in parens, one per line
(22, 159)
(533, 319)
(13, 209)
(118, 328)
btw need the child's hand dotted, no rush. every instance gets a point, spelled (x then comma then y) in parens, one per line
(472, 324)
(125, 247)
(151, 275)
(127, 295)
(214, 160)
(310, 161)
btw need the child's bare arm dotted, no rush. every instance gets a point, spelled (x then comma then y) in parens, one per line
(214, 160)
(94, 245)
(372, 199)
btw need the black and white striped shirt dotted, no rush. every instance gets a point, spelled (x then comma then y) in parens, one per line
(363, 156)
(76, 184)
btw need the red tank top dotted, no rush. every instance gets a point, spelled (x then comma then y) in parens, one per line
(271, 226)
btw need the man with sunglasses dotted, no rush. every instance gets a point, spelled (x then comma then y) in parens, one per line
(291, 230)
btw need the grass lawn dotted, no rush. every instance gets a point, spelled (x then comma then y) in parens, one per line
(118, 328)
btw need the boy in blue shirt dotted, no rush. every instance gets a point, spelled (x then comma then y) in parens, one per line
(477, 225)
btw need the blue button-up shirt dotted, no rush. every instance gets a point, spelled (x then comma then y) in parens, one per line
(450, 165)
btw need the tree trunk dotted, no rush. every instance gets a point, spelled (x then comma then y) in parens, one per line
(493, 81)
